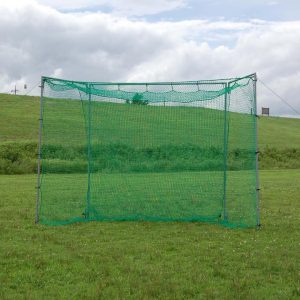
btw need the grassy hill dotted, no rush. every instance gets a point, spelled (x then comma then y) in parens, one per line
(279, 138)
(19, 122)
(279, 132)
(18, 118)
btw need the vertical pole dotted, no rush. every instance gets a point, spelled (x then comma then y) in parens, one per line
(256, 153)
(88, 200)
(225, 153)
(38, 188)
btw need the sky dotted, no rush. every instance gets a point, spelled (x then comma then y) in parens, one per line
(157, 40)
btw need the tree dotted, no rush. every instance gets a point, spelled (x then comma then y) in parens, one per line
(138, 99)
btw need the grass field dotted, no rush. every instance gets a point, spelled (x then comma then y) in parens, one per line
(145, 260)
(140, 260)
(177, 196)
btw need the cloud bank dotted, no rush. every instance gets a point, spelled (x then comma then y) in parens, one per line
(39, 40)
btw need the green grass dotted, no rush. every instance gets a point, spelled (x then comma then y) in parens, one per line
(178, 196)
(19, 122)
(144, 260)
(18, 118)
(279, 133)
(141, 260)
(168, 141)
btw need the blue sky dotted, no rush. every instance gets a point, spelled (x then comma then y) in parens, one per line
(234, 10)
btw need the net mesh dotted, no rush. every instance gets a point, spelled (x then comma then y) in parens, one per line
(182, 151)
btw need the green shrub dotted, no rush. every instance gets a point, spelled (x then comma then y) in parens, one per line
(137, 99)
(21, 158)
(18, 158)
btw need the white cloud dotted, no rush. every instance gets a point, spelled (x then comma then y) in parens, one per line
(38, 40)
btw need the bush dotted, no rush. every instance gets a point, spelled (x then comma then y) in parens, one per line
(21, 158)
(137, 99)
(18, 158)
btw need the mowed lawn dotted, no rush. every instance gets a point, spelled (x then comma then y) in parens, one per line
(151, 260)
(166, 196)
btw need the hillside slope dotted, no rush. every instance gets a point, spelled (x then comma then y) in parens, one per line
(19, 122)
(18, 118)
(171, 134)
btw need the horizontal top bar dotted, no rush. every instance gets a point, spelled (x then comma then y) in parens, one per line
(211, 81)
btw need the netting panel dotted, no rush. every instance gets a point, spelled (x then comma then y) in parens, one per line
(181, 151)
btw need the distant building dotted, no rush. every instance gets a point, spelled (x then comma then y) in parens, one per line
(265, 111)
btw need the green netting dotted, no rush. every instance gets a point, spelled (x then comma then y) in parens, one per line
(169, 151)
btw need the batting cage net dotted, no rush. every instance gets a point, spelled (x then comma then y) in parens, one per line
(163, 151)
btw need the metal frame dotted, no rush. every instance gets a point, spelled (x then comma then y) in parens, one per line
(226, 85)
(225, 153)
(88, 197)
(256, 152)
(38, 188)
(201, 82)
(250, 76)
